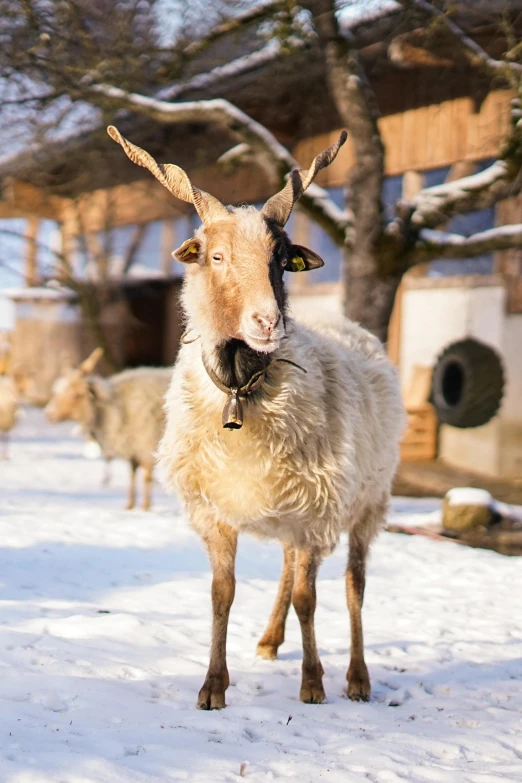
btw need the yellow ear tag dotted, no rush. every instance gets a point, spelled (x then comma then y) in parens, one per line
(297, 264)
(189, 251)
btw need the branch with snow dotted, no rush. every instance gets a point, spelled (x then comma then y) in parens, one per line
(475, 52)
(275, 159)
(439, 244)
(433, 206)
(269, 53)
(257, 12)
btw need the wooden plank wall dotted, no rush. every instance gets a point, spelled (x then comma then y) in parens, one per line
(428, 137)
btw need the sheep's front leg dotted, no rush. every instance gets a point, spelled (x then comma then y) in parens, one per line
(274, 635)
(358, 678)
(221, 542)
(4, 439)
(304, 600)
(147, 482)
(131, 499)
(106, 479)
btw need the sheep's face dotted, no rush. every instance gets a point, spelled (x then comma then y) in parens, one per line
(72, 393)
(234, 283)
(234, 288)
(70, 399)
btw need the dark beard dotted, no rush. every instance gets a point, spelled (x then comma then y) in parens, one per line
(235, 362)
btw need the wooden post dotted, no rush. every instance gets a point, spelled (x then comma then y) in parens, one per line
(168, 242)
(412, 183)
(69, 229)
(31, 258)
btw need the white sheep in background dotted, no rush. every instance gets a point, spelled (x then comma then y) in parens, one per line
(123, 413)
(8, 412)
(318, 450)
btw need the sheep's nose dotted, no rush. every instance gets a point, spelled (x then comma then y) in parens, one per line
(266, 322)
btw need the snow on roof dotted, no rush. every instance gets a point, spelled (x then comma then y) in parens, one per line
(352, 12)
(65, 119)
(57, 293)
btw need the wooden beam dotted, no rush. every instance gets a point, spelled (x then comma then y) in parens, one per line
(20, 199)
(139, 202)
(31, 256)
(412, 183)
(168, 242)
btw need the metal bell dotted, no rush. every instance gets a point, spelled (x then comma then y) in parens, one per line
(233, 412)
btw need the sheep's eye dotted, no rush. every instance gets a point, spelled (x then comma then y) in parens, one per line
(217, 258)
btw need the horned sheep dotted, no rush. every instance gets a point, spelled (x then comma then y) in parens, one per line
(273, 428)
(123, 413)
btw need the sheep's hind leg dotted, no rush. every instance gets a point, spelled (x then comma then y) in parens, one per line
(147, 482)
(274, 634)
(131, 499)
(221, 542)
(304, 600)
(358, 678)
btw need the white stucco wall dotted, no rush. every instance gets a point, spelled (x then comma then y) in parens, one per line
(431, 318)
(317, 308)
(7, 314)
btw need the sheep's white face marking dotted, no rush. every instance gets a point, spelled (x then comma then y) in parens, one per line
(69, 398)
(234, 286)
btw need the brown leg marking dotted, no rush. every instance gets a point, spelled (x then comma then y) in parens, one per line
(131, 500)
(274, 635)
(357, 675)
(221, 544)
(147, 482)
(4, 439)
(304, 600)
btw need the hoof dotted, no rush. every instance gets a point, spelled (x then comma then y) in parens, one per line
(312, 694)
(211, 700)
(359, 688)
(267, 651)
(212, 694)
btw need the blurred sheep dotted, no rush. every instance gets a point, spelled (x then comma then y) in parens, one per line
(123, 413)
(8, 412)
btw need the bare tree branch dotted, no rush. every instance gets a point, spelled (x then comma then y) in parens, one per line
(439, 244)
(231, 25)
(433, 206)
(476, 53)
(135, 243)
(250, 62)
(271, 154)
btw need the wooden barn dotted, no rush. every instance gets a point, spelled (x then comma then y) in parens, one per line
(440, 120)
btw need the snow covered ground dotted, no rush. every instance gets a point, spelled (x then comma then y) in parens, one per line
(104, 637)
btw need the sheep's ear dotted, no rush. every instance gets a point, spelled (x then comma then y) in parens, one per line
(99, 389)
(188, 253)
(302, 259)
(88, 365)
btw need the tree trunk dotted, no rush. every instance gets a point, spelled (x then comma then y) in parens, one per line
(368, 297)
(368, 290)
